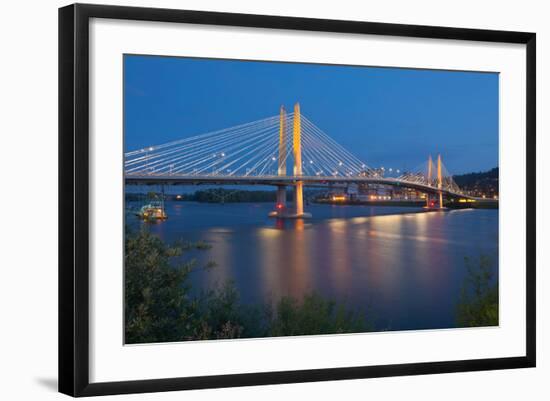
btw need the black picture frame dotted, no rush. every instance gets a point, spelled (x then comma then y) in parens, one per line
(74, 198)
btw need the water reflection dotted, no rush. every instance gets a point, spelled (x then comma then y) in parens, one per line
(407, 267)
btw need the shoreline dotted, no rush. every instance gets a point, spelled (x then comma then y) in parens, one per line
(489, 204)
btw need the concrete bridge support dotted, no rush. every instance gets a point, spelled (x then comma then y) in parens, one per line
(280, 210)
(281, 189)
(439, 181)
(281, 196)
(430, 164)
(280, 205)
(297, 150)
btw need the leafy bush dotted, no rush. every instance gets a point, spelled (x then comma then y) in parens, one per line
(159, 306)
(314, 315)
(478, 304)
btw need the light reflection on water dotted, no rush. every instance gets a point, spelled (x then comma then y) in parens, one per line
(406, 268)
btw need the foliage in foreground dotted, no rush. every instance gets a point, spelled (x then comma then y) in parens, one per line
(478, 304)
(314, 315)
(159, 306)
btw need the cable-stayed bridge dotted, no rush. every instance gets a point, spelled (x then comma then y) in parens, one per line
(286, 150)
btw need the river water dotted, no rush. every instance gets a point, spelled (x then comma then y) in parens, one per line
(403, 266)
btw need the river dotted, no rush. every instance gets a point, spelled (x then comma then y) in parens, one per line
(404, 267)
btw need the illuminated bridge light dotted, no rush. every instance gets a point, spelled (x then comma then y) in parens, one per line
(249, 157)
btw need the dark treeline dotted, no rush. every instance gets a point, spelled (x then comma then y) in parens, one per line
(487, 180)
(217, 195)
(221, 195)
(214, 195)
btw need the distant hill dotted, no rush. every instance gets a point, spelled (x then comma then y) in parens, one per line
(479, 183)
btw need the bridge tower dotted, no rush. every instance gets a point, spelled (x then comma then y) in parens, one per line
(297, 153)
(430, 166)
(281, 189)
(439, 181)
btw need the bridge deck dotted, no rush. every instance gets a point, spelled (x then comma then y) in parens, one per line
(274, 180)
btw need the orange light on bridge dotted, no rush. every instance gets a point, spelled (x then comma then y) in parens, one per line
(338, 198)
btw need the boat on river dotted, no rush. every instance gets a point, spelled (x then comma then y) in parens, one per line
(152, 211)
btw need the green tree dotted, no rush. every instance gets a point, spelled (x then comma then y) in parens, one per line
(159, 306)
(314, 315)
(157, 302)
(478, 303)
(222, 315)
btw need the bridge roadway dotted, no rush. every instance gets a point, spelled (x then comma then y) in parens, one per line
(275, 180)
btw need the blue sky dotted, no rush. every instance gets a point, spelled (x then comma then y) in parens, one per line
(386, 116)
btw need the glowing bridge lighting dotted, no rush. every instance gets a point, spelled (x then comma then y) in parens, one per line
(280, 140)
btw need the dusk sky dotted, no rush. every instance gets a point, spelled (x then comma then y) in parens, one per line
(385, 116)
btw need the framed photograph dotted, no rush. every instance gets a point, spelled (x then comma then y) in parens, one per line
(250, 199)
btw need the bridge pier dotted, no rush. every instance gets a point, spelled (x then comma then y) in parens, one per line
(440, 181)
(297, 150)
(281, 196)
(280, 209)
(299, 198)
(280, 205)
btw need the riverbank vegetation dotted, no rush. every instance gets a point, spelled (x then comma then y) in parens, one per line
(478, 303)
(222, 195)
(218, 195)
(160, 307)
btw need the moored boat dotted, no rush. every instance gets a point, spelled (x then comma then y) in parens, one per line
(152, 211)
